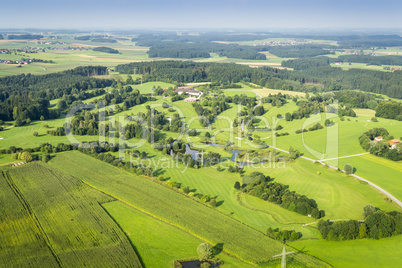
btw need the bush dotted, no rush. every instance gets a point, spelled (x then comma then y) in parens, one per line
(35, 133)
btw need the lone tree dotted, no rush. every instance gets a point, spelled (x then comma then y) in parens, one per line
(348, 169)
(237, 185)
(204, 252)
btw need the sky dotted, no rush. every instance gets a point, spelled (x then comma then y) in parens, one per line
(200, 14)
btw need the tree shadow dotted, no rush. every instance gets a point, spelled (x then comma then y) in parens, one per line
(159, 171)
(354, 170)
(217, 249)
(219, 203)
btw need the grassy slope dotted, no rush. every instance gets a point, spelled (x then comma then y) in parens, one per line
(77, 229)
(368, 253)
(159, 243)
(238, 239)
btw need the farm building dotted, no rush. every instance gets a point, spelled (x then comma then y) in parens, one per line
(378, 138)
(190, 99)
(188, 91)
(393, 143)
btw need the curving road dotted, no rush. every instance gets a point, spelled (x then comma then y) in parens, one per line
(393, 198)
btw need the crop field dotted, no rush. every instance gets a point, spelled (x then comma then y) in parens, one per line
(238, 239)
(60, 222)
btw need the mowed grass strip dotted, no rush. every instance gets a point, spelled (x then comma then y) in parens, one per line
(204, 222)
(73, 224)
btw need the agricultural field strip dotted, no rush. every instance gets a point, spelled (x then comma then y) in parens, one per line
(396, 200)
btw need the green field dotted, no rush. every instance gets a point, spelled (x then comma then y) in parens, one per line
(239, 240)
(159, 243)
(51, 219)
(368, 253)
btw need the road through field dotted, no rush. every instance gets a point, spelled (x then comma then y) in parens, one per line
(393, 198)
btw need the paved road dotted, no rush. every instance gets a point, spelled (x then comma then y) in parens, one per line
(393, 198)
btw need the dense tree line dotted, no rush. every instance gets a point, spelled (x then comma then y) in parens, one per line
(300, 51)
(103, 40)
(308, 63)
(207, 37)
(371, 60)
(23, 36)
(380, 148)
(1, 37)
(106, 50)
(202, 50)
(379, 224)
(257, 184)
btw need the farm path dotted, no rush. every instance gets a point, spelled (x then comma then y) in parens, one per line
(393, 198)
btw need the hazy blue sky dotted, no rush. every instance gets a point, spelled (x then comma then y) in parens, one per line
(264, 14)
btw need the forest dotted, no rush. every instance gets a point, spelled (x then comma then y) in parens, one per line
(167, 49)
(331, 79)
(27, 96)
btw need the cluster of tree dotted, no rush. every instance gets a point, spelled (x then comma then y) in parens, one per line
(1, 37)
(390, 109)
(276, 100)
(284, 235)
(24, 36)
(235, 169)
(356, 99)
(301, 51)
(27, 96)
(377, 224)
(207, 115)
(168, 145)
(24, 156)
(380, 148)
(257, 184)
(106, 50)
